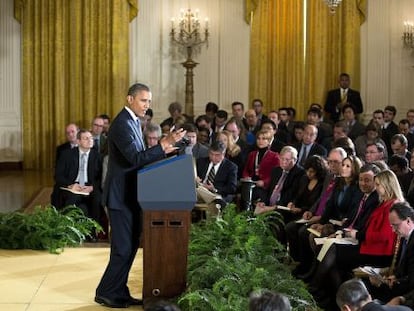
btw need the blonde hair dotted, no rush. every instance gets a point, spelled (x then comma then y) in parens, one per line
(266, 134)
(232, 148)
(389, 182)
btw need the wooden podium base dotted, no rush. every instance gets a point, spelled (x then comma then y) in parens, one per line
(166, 236)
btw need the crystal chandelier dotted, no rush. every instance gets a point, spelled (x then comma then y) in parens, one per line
(332, 4)
(408, 34)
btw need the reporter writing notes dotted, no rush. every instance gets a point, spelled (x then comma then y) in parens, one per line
(127, 153)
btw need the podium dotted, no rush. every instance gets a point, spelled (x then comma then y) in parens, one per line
(166, 194)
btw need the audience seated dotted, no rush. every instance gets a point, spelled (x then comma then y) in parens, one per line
(71, 132)
(398, 280)
(257, 105)
(276, 144)
(152, 134)
(372, 136)
(233, 151)
(194, 148)
(376, 242)
(399, 146)
(252, 126)
(375, 152)
(99, 138)
(297, 234)
(390, 128)
(204, 122)
(404, 128)
(355, 128)
(399, 165)
(80, 169)
(220, 121)
(216, 173)
(309, 146)
(345, 143)
(259, 165)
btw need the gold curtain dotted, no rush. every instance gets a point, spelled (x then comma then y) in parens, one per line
(332, 47)
(276, 54)
(75, 58)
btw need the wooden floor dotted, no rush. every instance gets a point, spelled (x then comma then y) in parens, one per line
(36, 280)
(17, 188)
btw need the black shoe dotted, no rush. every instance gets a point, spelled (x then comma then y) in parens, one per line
(135, 301)
(111, 303)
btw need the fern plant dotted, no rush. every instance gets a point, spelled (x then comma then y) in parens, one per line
(232, 256)
(46, 228)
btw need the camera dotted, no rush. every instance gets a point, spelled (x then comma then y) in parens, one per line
(184, 142)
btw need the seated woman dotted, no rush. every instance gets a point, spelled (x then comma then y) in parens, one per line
(376, 241)
(259, 165)
(233, 151)
(310, 186)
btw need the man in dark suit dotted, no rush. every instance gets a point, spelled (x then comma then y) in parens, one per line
(80, 169)
(401, 281)
(337, 98)
(216, 173)
(70, 132)
(309, 146)
(127, 153)
(390, 128)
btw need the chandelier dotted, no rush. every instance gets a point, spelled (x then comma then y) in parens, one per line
(408, 34)
(332, 4)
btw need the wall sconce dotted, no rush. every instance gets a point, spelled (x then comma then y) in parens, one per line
(332, 4)
(408, 34)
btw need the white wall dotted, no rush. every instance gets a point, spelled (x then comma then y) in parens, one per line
(222, 73)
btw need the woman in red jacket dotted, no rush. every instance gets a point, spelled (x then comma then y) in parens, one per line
(260, 163)
(376, 242)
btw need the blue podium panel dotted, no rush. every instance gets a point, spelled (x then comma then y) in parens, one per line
(167, 185)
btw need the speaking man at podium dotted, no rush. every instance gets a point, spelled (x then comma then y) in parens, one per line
(127, 153)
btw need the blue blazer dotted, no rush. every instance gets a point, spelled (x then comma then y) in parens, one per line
(127, 154)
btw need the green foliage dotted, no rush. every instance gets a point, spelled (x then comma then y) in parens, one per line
(232, 256)
(45, 228)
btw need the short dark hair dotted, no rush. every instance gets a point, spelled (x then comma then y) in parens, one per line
(190, 128)
(268, 121)
(399, 160)
(346, 106)
(370, 167)
(218, 146)
(203, 117)
(318, 164)
(403, 210)
(380, 147)
(222, 114)
(342, 124)
(80, 132)
(352, 293)
(314, 110)
(237, 104)
(149, 112)
(401, 138)
(299, 125)
(391, 109)
(404, 121)
(210, 106)
(105, 117)
(379, 111)
(344, 74)
(136, 88)
(268, 301)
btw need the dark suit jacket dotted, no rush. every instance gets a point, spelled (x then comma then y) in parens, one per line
(356, 130)
(290, 186)
(61, 148)
(315, 149)
(225, 180)
(405, 269)
(126, 154)
(67, 168)
(387, 134)
(334, 97)
(370, 204)
(199, 151)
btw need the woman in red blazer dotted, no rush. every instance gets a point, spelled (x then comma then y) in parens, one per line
(376, 241)
(260, 163)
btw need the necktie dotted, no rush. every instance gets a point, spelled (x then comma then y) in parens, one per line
(403, 249)
(275, 197)
(82, 169)
(211, 175)
(324, 198)
(139, 130)
(343, 96)
(360, 208)
(304, 155)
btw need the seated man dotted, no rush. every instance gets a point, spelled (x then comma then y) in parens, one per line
(216, 173)
(194, 148)
(79, 170)
(352, 295)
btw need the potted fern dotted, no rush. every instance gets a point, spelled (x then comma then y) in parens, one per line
(45, 228)
(233, 255)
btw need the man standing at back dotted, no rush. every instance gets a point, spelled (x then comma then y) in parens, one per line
(127, 153)
(337, 98)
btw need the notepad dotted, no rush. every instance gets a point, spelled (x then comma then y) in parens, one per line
(74, 191)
